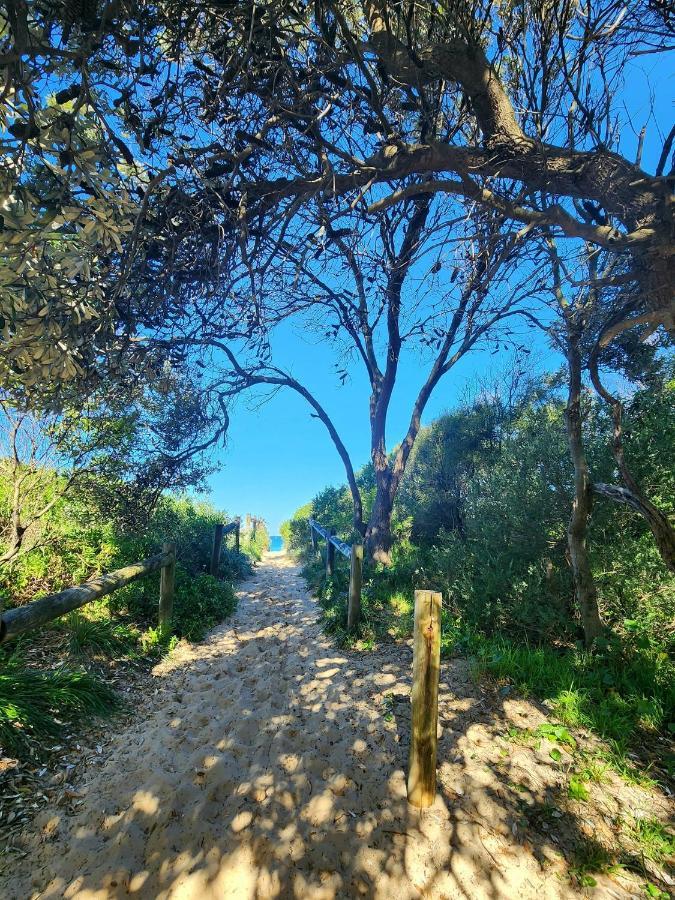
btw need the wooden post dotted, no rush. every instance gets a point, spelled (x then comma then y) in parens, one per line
(215, 553)
(312, 537)
(355, 579)
(237, 531)
(167, 581)
(330, 557)
(424, 696)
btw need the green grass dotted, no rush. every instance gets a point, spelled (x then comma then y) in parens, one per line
(594, 769)
(591, 858)
(36, 704)
(619, 696)
(656, 841)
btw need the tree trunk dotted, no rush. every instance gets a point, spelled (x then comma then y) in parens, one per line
(584, 584)
(378, 532)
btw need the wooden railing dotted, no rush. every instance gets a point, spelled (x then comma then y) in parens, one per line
(218, 535)
(354, 553)
(39, 612)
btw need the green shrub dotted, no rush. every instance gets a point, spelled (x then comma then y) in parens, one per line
(199, 604)
(257, 541)
(234, 566)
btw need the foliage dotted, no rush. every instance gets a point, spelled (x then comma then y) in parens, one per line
(98, 636)
(256, 541)
(619, 693)
(200, 602)
(657, 842)
(83, 185)
(294, 531)
(482, 516)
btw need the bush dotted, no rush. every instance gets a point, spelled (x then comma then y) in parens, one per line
(257, 541)
(199, 604)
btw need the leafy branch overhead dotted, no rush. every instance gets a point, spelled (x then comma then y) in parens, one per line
(172, 145)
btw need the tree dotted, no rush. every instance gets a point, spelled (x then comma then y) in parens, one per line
(589, 341)
(350, 105)
(117, 452)
(423, 279)
(325, 100)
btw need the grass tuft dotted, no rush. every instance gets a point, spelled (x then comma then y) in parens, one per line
(102, 637)
(656, 841)
(36, 704)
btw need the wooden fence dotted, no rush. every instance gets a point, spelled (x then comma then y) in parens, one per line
(426, 665)
(39, 612)
(354, 553)
(219, 534)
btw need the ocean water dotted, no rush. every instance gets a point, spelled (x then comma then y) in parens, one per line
(276, 542)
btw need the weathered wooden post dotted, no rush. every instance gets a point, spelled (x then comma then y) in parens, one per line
(424, 696)
(355, 579)
(330, 555)
(167, 581)
(312, 537)
(237, 534)
(215, 552)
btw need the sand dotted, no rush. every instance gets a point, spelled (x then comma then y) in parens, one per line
(267, 764)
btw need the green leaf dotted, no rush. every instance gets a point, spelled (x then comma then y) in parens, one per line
(555, 754)
(577, 790)
(556, 732)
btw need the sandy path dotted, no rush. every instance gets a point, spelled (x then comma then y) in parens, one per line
(267, 764)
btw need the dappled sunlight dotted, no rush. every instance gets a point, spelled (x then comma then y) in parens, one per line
(269, 766)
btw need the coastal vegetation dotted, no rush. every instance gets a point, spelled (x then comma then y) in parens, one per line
(482, 516)
(61, 674)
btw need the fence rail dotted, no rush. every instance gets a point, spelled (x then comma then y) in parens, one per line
(354, 553)
(219, 534)
(53, 606)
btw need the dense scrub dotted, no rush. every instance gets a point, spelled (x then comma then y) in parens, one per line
(482, 516)
(58, 674)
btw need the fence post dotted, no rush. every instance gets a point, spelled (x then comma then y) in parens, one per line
(330, 556)
(355, 579)
(215, 552)
(312, 537)
(424, 696)
(237, 531)
(167, 581)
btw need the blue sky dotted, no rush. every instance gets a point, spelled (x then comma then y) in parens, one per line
(278, 456)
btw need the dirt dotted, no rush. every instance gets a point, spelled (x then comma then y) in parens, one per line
(266, 763)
